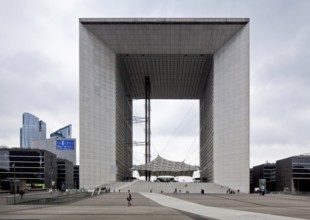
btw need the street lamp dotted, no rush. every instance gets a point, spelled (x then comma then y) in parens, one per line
(13, 165)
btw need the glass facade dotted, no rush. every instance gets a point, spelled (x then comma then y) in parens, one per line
(34, 167)
(76, 176)
(33, 129)
(301, 168)
(64, 132)
(64, 174)
(265, 171)
(293, 173)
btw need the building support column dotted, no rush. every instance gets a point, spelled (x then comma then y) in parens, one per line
(147, 126)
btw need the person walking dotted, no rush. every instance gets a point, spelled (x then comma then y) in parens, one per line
(21, 193)
(129, 198)
(128, 201)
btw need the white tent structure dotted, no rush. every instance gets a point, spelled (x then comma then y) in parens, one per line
(162, 167)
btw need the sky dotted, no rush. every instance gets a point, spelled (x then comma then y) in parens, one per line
(39, 72)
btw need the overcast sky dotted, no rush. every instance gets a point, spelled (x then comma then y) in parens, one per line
(39, 72)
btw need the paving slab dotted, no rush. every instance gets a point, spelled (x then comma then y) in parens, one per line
(283, 205)
(106, 206)
(168, 206)
(212, 212)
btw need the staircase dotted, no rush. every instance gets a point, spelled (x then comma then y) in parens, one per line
(158, 187)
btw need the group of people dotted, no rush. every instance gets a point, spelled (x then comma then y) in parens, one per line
(229, 191)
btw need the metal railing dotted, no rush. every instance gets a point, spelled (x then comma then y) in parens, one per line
(302, 193)
(49, 198)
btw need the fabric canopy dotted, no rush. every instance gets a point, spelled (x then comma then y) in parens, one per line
(162, 167)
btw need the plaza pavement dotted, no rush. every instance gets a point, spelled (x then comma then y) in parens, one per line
(168, 206)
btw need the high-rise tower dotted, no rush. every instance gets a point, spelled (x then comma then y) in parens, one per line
(33, 129)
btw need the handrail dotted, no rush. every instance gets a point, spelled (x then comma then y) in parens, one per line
(49, 200)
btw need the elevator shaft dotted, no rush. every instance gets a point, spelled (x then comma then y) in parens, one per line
(147, 126)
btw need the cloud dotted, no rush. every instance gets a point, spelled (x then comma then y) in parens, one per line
(39, 64)
(272, 152)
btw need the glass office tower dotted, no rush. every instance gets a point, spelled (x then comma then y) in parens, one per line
(33, 129)
(64, 132)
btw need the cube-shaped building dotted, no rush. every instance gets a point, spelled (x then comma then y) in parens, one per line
(185, 58)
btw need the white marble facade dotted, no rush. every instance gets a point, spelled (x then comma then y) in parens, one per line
(205, 59)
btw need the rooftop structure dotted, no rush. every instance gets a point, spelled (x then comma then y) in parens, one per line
(65, 132)
(160, 167)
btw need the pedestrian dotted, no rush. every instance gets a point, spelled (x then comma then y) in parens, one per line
(21, 193)
(129, 199)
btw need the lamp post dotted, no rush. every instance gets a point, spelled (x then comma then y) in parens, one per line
(13, 165)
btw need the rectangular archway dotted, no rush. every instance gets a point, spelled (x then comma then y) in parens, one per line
(205, 59)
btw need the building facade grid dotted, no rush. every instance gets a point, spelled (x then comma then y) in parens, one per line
(116, 55)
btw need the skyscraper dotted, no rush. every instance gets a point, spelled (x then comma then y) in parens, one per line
(33, 129)
(64, 132)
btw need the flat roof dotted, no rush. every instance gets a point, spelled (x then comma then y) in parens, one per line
(176, 53)
(164, 20)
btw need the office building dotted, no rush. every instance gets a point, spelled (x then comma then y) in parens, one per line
(36, 168)
(33, 129)
(293, 174)
(251, 181)
(76, 176)
(265, 171)
(186, 58)
(64, 132)
(63, 148)
(65, 178)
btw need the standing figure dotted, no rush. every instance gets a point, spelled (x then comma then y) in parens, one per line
(129, 199)
(21, 193)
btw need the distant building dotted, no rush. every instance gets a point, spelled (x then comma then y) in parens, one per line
(265, 171)
(293, 173)
(36, 168)
(65, 174)
(76, 176)
(251, 181)
(64, 148)
(33, 129)
(64, 132)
